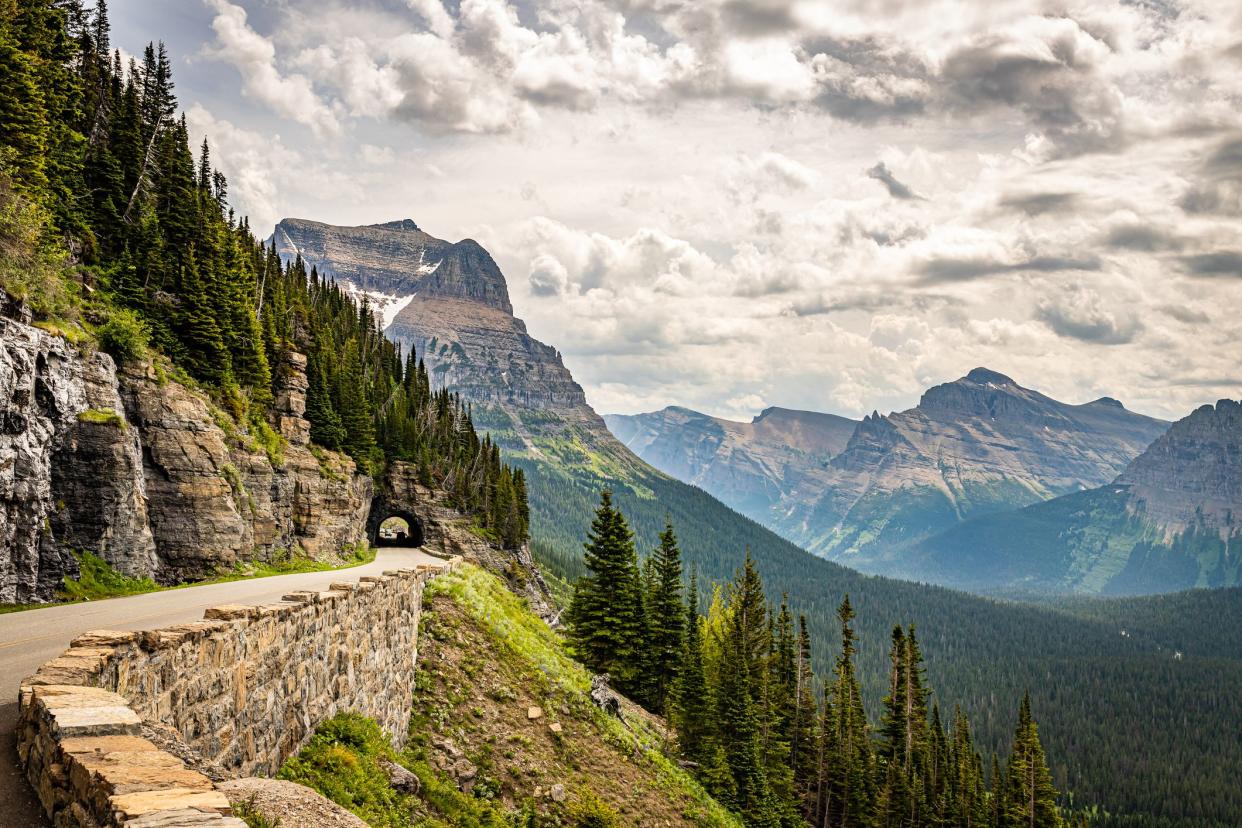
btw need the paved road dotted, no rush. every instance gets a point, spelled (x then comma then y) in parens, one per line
(27, 639)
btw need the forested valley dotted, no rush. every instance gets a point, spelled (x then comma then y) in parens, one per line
(762, 733)
(1102, 673)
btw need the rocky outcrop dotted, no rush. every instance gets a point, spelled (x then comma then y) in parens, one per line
(449, 304)
(288, 803)
(64, 443)
(749, 466)
(217, 498)
(1192, 476)
(150, 476)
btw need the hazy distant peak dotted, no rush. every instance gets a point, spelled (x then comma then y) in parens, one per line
(986, 375)
(400, 224)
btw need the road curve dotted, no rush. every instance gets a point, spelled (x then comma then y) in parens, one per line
(27, 639)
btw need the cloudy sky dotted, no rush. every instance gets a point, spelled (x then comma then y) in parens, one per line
(730, 204)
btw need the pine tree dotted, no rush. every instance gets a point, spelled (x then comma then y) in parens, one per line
(605, 615)
(803, 732)
(744, 651)
(779, 712)
(354, 407)
(198, 329)
(666, 621)
(691, 713)
(1030, 799)
(850, 774)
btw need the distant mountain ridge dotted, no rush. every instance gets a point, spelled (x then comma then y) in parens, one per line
(748, 466)
(979, 444)
(973, 446)
(1171, 520)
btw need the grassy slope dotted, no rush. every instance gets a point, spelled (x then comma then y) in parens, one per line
(484, 660)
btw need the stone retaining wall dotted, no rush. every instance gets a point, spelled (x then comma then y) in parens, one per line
(244, 689)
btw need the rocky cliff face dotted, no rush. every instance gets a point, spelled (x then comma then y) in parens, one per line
(750, 466)
(64, 440)
(146, 474)
(216, 498)
(449, 304)
(1191, 477)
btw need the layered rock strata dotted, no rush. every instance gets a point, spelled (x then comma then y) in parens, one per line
(979, 444)
(1192, 476)
(148, 475)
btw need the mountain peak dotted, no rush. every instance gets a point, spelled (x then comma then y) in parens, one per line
(1192, 476)
(397, 260)
(1108, 401)
(400, 224)
(986, 375)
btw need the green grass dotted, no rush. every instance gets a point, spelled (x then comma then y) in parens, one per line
(343, 760)
(511, 623)
(247, 813)
(98, 580)
(102, 416)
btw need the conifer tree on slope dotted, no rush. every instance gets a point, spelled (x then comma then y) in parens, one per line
(803, 731)
(745, 648)
(692, 713)
(849, 767)
(1029, 797)
(903, 751)
(779, 712)
(666, 620)
(605, 615)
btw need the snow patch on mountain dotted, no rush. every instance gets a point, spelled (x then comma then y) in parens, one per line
(385, 305)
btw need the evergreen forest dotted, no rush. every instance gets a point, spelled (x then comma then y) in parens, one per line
(118, 234)
(762, 732)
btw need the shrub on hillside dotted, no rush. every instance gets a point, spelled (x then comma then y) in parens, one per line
(124, 336)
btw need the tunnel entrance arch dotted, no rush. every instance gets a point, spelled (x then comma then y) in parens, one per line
(395, 527)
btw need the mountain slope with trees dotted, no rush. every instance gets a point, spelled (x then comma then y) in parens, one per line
(1168, 522)
(744, 701)
(117, 235)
